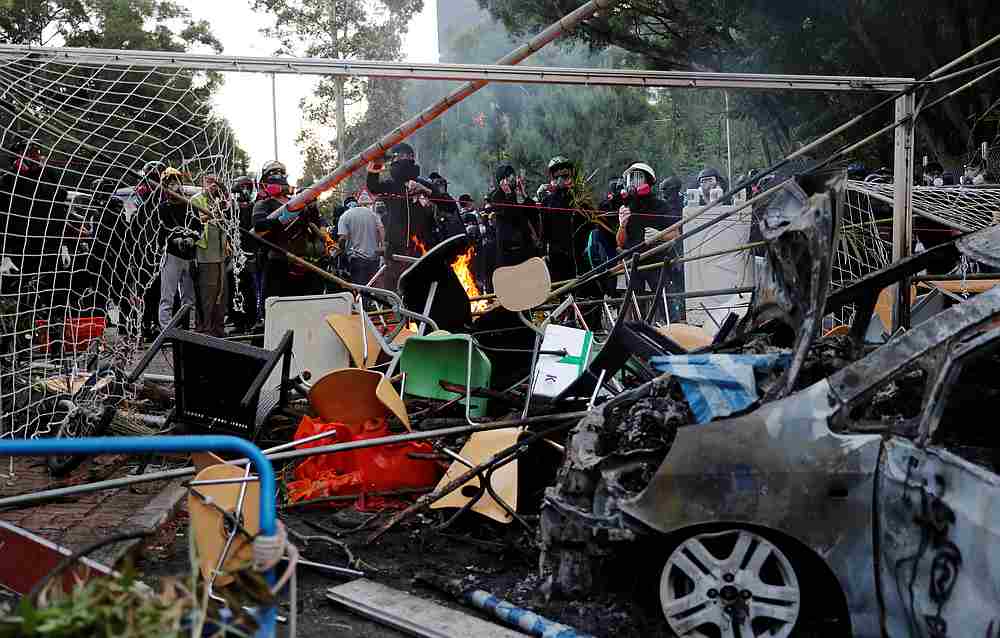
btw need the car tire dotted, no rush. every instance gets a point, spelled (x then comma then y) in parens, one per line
(730, 582)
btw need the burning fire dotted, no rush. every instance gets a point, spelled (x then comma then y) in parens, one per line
(421, 247)
(462, 267)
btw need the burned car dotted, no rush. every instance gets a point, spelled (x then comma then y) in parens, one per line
(867, 502)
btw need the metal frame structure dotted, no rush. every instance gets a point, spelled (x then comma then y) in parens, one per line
(456, 72)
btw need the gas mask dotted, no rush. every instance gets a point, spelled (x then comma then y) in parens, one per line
(562, 180)
(708, 183)
(275, 185)
(404, 170)
(28, 163)
(636, 183)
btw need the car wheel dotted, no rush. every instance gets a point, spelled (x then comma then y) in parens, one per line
(730, 584)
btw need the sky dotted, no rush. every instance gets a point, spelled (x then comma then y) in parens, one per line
(245, 98)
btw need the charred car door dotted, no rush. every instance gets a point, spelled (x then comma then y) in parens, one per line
(938, 501)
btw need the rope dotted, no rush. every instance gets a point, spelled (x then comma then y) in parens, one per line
(267, 553)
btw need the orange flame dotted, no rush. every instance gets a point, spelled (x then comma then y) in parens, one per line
(462, 268)
(421, 247)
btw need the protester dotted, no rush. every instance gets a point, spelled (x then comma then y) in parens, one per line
(361, 235)
(670, 193)
(558, 221)
(271, 221)
(181, 228)
(709, 186)
(516, 235)
(642, 216)
(447, 220)
(212, 205)
(408, 211)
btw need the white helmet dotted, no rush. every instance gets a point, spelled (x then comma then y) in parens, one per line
(636, 175)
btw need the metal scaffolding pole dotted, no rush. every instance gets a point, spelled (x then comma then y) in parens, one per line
(902, 203)
(457, 72)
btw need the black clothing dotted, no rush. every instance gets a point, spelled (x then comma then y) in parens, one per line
(514, 240)
(447, 220)
(647, 212)
(404, 217)
(33, 214)
(179, 229)
(559, 225)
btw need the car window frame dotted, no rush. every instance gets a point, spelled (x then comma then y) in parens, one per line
(960, 354)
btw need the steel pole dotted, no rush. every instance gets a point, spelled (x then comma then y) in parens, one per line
(274, 112)
(902, 203)
(45, 495)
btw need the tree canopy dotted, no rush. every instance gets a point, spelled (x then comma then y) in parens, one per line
(902, 38)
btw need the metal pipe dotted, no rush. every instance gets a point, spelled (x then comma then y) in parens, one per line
(157, 378)
(119, 58)
(46, 495)
(379, 148)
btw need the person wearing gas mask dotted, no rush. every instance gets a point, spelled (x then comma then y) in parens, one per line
(180, 230)
(409, 212)
(447, 222)
(710, 186)
(212, 205)
(35, 213)
(295, 232)
(558, 219)
(671, 194)
(642, 216)
(361, 235)
(512, 209)
(932, 175)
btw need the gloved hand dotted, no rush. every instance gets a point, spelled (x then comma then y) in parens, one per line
(624, 213)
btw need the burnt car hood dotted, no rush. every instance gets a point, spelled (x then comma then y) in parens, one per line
(982, 246)
(777, 463)
(792, 284)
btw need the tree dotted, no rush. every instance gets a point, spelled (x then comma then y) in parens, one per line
(344, 29)
(603, 129)
(854, 37)
(161, 115)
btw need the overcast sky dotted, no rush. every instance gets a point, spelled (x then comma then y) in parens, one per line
(245, 99)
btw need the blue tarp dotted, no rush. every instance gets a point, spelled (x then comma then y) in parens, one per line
(717, 385)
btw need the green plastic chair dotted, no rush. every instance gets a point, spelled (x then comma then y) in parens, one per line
(448, 357)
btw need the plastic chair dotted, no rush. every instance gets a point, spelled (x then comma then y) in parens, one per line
(427, 361)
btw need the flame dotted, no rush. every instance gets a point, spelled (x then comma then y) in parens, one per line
(462, 268)
(421, 247)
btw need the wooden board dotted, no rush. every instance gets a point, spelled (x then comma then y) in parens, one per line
(412, 615)
(480, 448)
(28, 558)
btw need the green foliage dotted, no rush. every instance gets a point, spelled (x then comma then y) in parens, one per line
(162, 116)
(344, 29)
(105, 607)
(602, 129)
(901, 38)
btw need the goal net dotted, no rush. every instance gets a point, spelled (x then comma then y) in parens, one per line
(80, 240)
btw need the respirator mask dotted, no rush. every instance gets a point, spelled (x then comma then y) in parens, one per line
(562, 179)
(637, 180)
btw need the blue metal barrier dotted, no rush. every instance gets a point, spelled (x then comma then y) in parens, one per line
(165, 444)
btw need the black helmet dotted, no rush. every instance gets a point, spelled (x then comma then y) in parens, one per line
(402, 149)
(671, 185)
(558, 162)
(709, 172)
(504, 171)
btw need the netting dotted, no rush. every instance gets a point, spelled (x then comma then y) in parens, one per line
(82, 240)
(964, 208)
